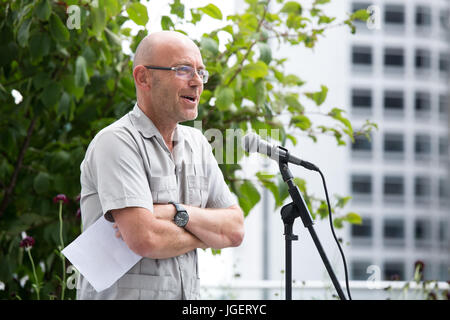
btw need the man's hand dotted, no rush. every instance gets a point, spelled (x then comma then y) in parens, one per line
(116, 228)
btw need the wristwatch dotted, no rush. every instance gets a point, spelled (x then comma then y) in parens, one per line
(181, 218)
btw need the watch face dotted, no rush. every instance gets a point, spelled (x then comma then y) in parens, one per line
(181, 218)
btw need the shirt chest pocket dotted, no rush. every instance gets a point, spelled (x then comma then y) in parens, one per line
(197, 191)
(164, 189)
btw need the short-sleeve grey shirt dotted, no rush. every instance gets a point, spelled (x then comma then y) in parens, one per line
(128, 164)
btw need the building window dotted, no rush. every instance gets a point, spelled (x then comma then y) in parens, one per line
(394, 232)
(361, 185)
(360, 6)
(393, 102)
(422, 59)
(423, 16)
(393, 146)
(422, 147)
(393, 188)
(360, 25)
(444, 63)
(362, 233)
(443, 105)
(444, 189)
(422, 190)
(444, 272)
(359, 270)
(362, 145)
(422, 233)
(443, 147)
(394, 271)
(443, 232)
(394, 58)
(362, 56)
(422, 104)
(444, 19)
(362, 100)
(394, 15)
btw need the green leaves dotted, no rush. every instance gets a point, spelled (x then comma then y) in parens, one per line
(112, 7)
(209, 45)
(51, 94)
(350, 217)
(39, 45)
(98, 21)
(43, 10)
(41, 183)
(318, 97)
(336, 113)
(255, 70)
(248, 196)
(292, 7)
(81, 76)
(212, 10)
(24, 33)
(58, 30)
(362, 15)
(138, 13)
(166, 23)
(265, 53)
(224, 97)
(301, 121)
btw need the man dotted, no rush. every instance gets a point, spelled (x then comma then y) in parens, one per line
(158, 181)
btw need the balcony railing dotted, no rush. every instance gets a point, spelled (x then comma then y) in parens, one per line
(321, 290)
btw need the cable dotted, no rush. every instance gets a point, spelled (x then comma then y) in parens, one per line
(334, 235)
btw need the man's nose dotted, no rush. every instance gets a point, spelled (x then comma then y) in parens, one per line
(196, 80)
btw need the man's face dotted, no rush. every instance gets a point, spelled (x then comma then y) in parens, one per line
(173, 96)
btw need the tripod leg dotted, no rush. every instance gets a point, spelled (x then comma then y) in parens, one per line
(289, 237)
(288, 274)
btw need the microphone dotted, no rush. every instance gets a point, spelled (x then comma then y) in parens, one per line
(253, 143)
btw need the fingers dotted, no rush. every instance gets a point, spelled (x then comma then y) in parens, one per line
(118, 234)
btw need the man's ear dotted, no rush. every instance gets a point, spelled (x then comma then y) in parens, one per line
(141, 78)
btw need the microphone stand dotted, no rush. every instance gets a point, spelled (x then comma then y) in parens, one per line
(289, 213)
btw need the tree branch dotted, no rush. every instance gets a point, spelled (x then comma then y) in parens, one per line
(9, 190)
(241, 65)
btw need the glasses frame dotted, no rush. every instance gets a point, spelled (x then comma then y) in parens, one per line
(204, 78)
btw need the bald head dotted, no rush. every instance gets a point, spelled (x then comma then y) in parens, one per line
(165, 96)
(157, 45)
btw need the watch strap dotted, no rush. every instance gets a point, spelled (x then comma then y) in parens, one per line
(178, 206)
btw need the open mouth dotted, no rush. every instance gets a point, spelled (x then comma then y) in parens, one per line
(190, 98)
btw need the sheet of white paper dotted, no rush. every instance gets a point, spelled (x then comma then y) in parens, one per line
(100, 256)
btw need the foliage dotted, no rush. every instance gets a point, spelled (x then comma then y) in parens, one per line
(419, 288)
(77, 80)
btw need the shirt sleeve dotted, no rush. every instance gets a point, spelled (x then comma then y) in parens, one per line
(219, 195)
(119, 174)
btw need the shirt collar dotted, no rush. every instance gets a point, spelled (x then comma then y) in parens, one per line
(147, 128)
(142, 123)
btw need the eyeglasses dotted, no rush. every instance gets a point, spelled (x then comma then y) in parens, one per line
(185, 72)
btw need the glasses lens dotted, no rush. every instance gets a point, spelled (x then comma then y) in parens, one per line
(203, 75)
(188, 72)
(185, 71)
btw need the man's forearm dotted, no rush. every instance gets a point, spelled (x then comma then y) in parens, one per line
(153, 237)
(174, 241)
(217, 228)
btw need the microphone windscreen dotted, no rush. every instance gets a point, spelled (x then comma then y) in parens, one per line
(250, 142)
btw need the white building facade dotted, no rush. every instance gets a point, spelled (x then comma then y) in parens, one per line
(396, 75)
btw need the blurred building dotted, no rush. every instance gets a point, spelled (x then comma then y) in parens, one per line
(400, 179)
(394, 72)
